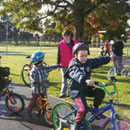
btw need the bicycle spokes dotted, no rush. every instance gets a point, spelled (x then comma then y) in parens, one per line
(14, 103)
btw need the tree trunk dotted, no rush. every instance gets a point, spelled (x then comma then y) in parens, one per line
(78, 18)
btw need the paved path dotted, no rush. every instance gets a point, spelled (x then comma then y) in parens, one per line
(21, 121)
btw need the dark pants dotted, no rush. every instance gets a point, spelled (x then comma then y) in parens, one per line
(107, 52)
(81, 103)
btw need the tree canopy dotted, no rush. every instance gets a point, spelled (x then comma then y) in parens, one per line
(86, 16)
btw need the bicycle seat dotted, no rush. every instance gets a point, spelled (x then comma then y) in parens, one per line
(28, 56)
(113, 78)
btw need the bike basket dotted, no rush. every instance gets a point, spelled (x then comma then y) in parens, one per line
(4, 71)
(4, 82)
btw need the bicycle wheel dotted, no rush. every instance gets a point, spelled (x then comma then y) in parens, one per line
(124, 124)
(60, 111)
(47, 116)
(14, 103)
(124, 73)
(25, 74)
(111, 73)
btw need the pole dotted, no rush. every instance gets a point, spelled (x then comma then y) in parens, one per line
(7, 38)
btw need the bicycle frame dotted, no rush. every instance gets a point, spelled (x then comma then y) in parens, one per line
(117, 66)
(42, 103)
(103, 110)
(97, 112)
(8, 91)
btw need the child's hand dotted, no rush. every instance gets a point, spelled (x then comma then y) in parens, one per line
(58, 69)
(90, 82)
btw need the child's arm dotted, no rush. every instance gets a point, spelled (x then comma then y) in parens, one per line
(33, 78)
(97, 62)
(52, 67)
(77, 75)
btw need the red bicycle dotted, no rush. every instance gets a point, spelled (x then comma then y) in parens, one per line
(13, 101)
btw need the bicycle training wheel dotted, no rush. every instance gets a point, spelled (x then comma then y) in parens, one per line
(124, 124)
(124, 73)
(25, 74)
(111, 73)
(14, 103)
(47, 116)
(59, 112)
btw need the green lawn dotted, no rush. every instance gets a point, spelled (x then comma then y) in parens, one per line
(16, 62)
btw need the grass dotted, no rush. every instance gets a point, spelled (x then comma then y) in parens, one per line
(16, 62)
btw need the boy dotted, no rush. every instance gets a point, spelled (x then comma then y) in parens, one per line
(38, 78)
(80, 85)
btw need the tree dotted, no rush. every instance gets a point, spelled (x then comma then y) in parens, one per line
(27, 15)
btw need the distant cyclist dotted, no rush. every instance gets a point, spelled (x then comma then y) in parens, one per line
(38, 78)
(107, 48)
(117, 51)
(80, 85)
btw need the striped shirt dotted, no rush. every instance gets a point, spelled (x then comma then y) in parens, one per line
(38, 78)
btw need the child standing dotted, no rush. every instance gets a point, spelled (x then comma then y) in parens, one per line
(80, 85)
(38, 78)
(101, 50)
(107, 48)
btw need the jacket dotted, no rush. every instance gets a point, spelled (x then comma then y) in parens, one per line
(65, 53)
(78, 73)
(117, 48)
(38, 78)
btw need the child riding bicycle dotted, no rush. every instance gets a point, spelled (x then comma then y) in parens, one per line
(80, 85)
(38, 78)
(117, 52)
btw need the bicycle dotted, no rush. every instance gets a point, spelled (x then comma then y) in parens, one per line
(25, 72)
(118, 69)
(13, 101)
(63, 114)
(42, 107)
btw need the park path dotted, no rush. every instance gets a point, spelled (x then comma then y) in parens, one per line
(21, 121)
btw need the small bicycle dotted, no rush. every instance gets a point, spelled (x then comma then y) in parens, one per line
(25, 72)
(118, 69)
(13, 101)
(63, 114)
(43, 108)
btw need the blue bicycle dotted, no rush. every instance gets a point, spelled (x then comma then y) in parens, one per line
(118, 69)
(63, 114)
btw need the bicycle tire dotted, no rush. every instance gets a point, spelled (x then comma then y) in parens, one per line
(59, 111)
(25, 74)
(14, 103)
(47, 116)
(124, 73)
(124, 124)
(110, 73)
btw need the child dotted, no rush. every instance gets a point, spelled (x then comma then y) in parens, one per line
(38, 78)
(80, 85)
(101, 50)
(107, 48)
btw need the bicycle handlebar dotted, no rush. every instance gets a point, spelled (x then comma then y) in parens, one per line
(104, 85)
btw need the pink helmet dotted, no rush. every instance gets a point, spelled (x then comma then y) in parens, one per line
(79, 46)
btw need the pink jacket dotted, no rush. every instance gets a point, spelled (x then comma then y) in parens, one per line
(65, 53)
